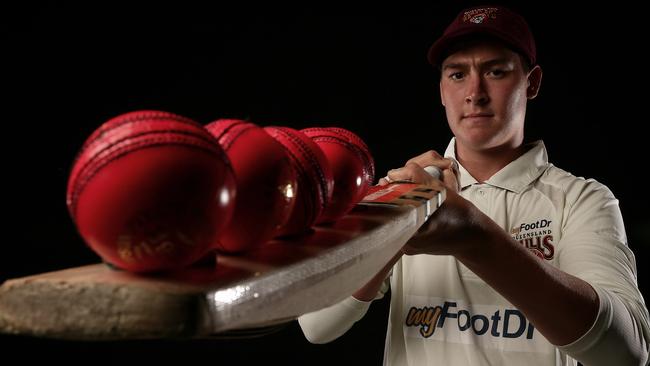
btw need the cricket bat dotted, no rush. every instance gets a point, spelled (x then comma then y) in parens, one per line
(240, 296)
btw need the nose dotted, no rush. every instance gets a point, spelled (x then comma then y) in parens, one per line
(476, 93)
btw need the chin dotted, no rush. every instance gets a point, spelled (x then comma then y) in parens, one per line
(479, 141)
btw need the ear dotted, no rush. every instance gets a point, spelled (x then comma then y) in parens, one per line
(442, 96)
(534, 82)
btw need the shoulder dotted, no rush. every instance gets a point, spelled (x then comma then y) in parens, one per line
(575, 189)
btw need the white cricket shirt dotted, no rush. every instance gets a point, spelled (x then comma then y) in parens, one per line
(443, 314)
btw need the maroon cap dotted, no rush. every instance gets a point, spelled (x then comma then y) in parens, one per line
(497, 21)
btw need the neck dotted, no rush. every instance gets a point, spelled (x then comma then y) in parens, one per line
(484, 163)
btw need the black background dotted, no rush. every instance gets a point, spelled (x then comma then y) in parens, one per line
(66, 68)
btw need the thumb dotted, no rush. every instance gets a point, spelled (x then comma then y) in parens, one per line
(451, 180)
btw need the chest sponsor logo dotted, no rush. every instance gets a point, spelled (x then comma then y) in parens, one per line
(536, 236)
(498, 324)
(490, 326)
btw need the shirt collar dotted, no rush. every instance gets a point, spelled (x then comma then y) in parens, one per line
(515, 176)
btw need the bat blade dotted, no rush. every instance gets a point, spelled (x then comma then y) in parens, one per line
(271, 285)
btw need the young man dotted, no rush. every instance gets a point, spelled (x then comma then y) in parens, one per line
(524, 263)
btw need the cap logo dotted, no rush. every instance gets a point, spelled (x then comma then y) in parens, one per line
(477, 16)
(477, 19)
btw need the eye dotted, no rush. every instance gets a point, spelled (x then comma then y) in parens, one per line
(458, 75)
(497, 73)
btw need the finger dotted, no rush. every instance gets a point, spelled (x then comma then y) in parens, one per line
(410, 173)
(455, 169)
(413, 173)
(442, 164)
(425, 159)
(454, 165)
(418, 174)
(383, 181)
(404, 174)
(450, 179)
(421, 176)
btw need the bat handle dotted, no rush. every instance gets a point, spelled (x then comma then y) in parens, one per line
(433, 171)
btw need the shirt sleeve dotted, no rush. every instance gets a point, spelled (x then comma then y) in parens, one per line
(593, 248)
(325, 325)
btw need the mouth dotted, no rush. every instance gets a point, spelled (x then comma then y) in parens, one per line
(478, 115)
(477, 118)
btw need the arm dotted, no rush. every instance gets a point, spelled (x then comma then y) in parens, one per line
(327, 324)
(460, 229)
(589, 306)
(594, 248)
(488, 251)
(374, 286)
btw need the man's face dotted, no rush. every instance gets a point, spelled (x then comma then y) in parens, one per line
(484, 90)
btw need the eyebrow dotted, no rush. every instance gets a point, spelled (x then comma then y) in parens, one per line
(488, 63)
